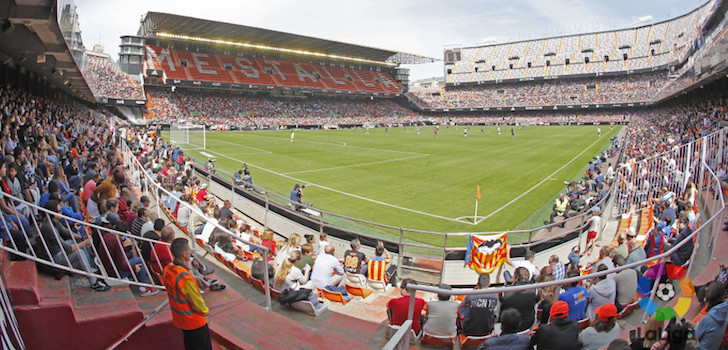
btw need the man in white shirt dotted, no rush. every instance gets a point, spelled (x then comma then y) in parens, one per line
(324, 268)
(527, 263)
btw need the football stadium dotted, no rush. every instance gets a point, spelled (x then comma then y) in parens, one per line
(221, 185)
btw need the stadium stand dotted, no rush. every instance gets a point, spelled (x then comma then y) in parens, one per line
(241, 109)
(108, 81)
(195, 66)
(612, 89)
(642, 48)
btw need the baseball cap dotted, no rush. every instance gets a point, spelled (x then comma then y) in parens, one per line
(606, 312)
(559, 309)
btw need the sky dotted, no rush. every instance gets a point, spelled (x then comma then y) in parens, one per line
(421, 27)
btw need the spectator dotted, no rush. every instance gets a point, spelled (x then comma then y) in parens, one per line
(478, 313)
(226, 210)
(508, 339)
(603, 291)
(292, 244)
(594, 230)
(621, 249)
(291, 277)
(549, 295)
(683, 254)
(558, 267)
(603, 329)
(604, 258)
(560, 208)
(62, 248)
(636, 253)
(398, 308)
(441, 315)
(576, 297)
(527, 263)
(560, 334)
(626, 282)
(711, 329)
(377, 267)
(354, 260)
(327, 270)
(524, 300)
(306, 257)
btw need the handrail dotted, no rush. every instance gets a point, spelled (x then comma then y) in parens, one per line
(8, 321)
(705, 227)
(193, 211)
(86, 261)
(139, 325)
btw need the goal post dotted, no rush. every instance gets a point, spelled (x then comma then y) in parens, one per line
(188, 136)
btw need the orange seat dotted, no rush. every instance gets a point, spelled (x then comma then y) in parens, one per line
(442, 341)
(333, 296)
(359, 291)
(258, 284)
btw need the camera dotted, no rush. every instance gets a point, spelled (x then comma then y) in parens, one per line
(304, 186)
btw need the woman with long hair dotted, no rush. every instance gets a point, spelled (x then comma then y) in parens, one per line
(292, 244)
(291, 277)
(549, 295)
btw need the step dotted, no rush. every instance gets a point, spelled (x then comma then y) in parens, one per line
(90, 305)
(21, 279)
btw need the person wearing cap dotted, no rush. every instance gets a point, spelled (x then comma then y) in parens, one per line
(560, 333)
(603, 329)
(202, 193)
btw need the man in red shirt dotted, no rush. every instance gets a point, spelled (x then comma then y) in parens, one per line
(162, 256)
(397, 309)
(202, 193)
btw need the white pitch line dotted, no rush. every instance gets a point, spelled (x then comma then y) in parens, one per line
(341, 192)
(338, 144)
(539, 184)
(356, 165)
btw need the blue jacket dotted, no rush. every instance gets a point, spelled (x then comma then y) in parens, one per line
(511, 341)
(711, 328)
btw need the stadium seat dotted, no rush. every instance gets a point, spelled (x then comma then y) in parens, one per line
(392, 329)
(333, 296)
(356, 280)
(358, 291)
(307, 307)
(627, 309)
(377, 285)
(440, 341)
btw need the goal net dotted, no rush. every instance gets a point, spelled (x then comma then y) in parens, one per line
(188, 136)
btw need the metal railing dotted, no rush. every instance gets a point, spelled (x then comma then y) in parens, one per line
(70, 244)
(11, 338)
(147, 183)
(713, 200)
(407, 243)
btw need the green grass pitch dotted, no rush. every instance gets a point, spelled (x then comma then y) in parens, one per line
(416, 181)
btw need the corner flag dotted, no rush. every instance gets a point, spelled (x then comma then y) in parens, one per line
(477, 192)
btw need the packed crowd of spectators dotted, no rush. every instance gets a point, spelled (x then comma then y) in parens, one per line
(106, 80)
(247, 110)
(61, 159)
(608, 89)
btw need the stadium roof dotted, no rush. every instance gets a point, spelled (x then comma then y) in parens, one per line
(155, 23)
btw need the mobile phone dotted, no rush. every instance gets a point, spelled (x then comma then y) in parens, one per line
(632, 335)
